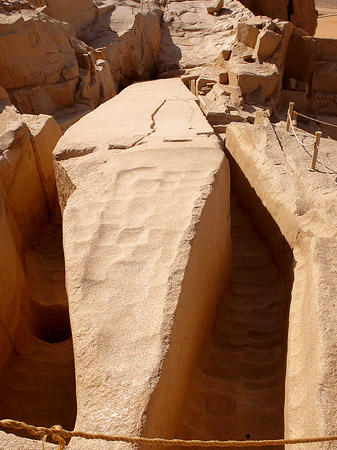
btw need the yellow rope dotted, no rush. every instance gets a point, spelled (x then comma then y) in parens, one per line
(59, 435)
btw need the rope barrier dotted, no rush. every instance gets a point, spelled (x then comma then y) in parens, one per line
(326, 169)
(59, 435)
(315, 120)
(326, 15)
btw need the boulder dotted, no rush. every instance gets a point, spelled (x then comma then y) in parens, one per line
(44, 99)
(224, 56)
(129, 42)
(247, 34)
(266, 43)
(258, 79)
(303, 86)
(223, 77)
(290, 84)
(45, 68)
(261, 119)
(4, 97)
(279, 56)
(204, 83)
(261, 22)
(300, 56)
(214, 6)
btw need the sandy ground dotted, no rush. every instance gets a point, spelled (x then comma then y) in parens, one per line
(327, 26)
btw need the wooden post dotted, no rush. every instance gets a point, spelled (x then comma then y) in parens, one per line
(315, 153)
(290, 114)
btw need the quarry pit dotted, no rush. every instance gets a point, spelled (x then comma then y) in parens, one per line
(168, 261)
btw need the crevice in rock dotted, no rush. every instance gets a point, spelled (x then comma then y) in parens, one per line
(239, 388)
(290, 9)
(153, 124)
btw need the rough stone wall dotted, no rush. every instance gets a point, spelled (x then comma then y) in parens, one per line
(310, 74)
(78, 14)
(46, 69)
(28, 195)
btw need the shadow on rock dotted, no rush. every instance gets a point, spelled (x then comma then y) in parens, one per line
(225, 12)
(169, 54)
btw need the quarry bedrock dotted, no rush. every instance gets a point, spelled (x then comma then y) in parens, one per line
(145, 197)
(305, 212)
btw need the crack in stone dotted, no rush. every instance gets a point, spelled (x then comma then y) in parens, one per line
(153, 124)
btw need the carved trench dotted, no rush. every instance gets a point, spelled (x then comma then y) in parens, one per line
(239, 387)
(37, 383)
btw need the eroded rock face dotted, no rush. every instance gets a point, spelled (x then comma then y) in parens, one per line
(78, 14)
(43, 64)
(46, 69)
(128, 38)
(39, 74)
(300, 12)
(306, 215)
(36, 359)
(138, 204)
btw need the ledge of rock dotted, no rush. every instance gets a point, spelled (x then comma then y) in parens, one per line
(142, 181)
(303, 204)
